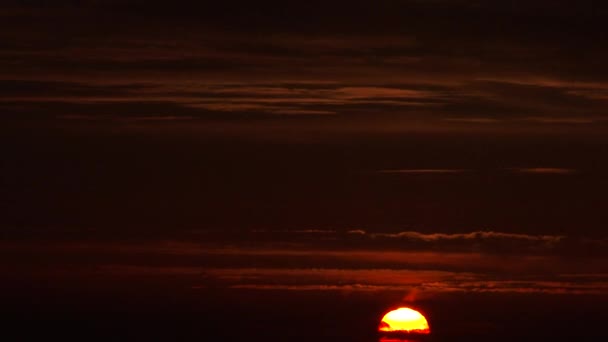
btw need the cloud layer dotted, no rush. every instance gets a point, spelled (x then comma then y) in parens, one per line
(194, 267)
(399, 74)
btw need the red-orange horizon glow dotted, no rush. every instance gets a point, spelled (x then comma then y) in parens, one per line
(404, 320)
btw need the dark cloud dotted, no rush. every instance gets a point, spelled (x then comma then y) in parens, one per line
(377, 107)
(425, 273)
(304, 241)
(498, 64)
(481, 235)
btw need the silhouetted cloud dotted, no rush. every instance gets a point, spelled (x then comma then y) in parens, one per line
(479, 235)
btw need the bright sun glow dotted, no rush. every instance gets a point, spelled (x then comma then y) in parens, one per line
(404, 320)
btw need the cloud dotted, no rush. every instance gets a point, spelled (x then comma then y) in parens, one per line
(308, 244)
(473, 120)
(159, 118)
(302, 268)
(34, 89)
(425, 171)
(483, 252)
(546, 170)
(378, 79)
(198, 100)
(429, 290)
(478, 235)
(521, 170)
(303, 112)
(418, 284)
(296, 231)
(349, 288)
(575, 120)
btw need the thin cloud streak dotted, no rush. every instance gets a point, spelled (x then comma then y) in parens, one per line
(546, 170)
(533, 253)
(476, 120)
(424, 171)
(339, 243)
(478, 235)
(424, 282)
(430, 290)
(524, 170)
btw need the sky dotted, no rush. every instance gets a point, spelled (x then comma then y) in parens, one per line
(441, 154)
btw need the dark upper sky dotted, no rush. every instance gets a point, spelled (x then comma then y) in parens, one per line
(371, 66)
(432, 116)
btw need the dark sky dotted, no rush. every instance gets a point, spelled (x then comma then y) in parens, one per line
(422, 150)
(288, 114)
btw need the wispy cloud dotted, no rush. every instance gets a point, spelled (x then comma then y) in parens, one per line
(475, 120)
(378, 77)
(296, 231)
(424, 283)
(349, 287)
(521, 170)
(573, 120)
(298, 267)
(546, 170)
(478, 235)
(424, 171)
(428, 290)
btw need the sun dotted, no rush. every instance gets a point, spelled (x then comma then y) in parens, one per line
(404, 320)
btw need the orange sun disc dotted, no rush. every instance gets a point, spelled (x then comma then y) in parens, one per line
(404, 320)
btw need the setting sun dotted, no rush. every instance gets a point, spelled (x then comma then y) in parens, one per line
(404, 320)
